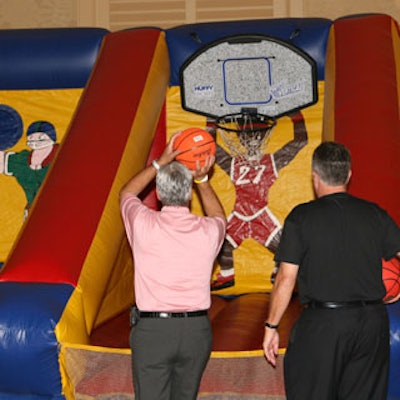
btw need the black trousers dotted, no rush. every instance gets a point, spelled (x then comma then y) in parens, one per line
(340, 354)
(169, 356)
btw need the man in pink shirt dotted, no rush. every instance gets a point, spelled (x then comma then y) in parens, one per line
(174, 252)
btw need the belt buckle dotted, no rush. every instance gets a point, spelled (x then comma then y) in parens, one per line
(164, 315)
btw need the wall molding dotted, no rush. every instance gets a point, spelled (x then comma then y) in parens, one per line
(93, 13)
(98, 12)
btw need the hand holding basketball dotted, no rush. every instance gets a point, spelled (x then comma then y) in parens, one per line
(195, 146)
(169, 152)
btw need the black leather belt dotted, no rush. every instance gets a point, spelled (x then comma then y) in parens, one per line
(341, 304)
(189, 314)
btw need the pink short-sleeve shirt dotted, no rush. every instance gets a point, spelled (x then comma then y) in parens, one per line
(174, 252)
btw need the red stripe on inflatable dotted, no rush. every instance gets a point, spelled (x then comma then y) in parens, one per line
(160, 138)
(60, 230)
(366, 106)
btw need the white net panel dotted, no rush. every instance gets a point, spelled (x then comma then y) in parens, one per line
(245, 135)
(100, 373)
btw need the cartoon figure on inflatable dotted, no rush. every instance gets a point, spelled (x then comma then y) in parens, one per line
(29, 167)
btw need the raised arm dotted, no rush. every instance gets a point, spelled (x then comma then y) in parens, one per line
(211, 205)
(222, 157)
(286, 154)
(140, 181)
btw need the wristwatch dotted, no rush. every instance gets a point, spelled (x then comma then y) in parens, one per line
(270, 326)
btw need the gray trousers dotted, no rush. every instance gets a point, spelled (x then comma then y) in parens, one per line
(169, 356)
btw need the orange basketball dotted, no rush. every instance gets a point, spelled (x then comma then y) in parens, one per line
(391, 278)
(194, 144)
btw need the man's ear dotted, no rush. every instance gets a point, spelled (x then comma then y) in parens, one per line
(348, 177)
(316, 182)
(315, 178)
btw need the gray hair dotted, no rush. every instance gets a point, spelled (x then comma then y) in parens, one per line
(174, 184)
(332, 162)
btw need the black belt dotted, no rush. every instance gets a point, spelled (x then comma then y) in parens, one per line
(341, 304)
(189, 314)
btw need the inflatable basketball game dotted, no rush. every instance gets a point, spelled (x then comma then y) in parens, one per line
(67, 278)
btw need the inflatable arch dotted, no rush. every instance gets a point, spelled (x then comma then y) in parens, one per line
(114, 101)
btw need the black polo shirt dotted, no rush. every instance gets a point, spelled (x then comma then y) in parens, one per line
(339, 241)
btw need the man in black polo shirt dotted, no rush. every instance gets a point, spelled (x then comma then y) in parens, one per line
(333, 247)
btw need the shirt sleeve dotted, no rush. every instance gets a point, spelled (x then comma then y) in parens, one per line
(129, 206)
(221, 226)
(217, 231)
(290, 248)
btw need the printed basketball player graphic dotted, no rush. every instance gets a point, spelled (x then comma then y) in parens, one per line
(253, 175)
(244, 84)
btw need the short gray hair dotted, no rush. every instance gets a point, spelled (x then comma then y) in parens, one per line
(332, 162)
(174, 184)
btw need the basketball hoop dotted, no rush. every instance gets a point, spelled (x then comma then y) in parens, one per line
(243, 83)
(246, 135)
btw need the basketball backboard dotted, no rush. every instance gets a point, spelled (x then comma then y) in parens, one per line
(255, 72)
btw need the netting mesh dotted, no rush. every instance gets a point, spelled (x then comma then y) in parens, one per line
(105, 374)
(245, 135)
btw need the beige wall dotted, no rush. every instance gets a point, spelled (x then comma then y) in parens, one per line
(337, 8)
(37, 13)
(122, 14)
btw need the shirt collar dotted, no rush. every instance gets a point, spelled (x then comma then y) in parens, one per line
(175, 209)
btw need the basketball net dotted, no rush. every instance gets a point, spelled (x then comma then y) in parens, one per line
(246, 135)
